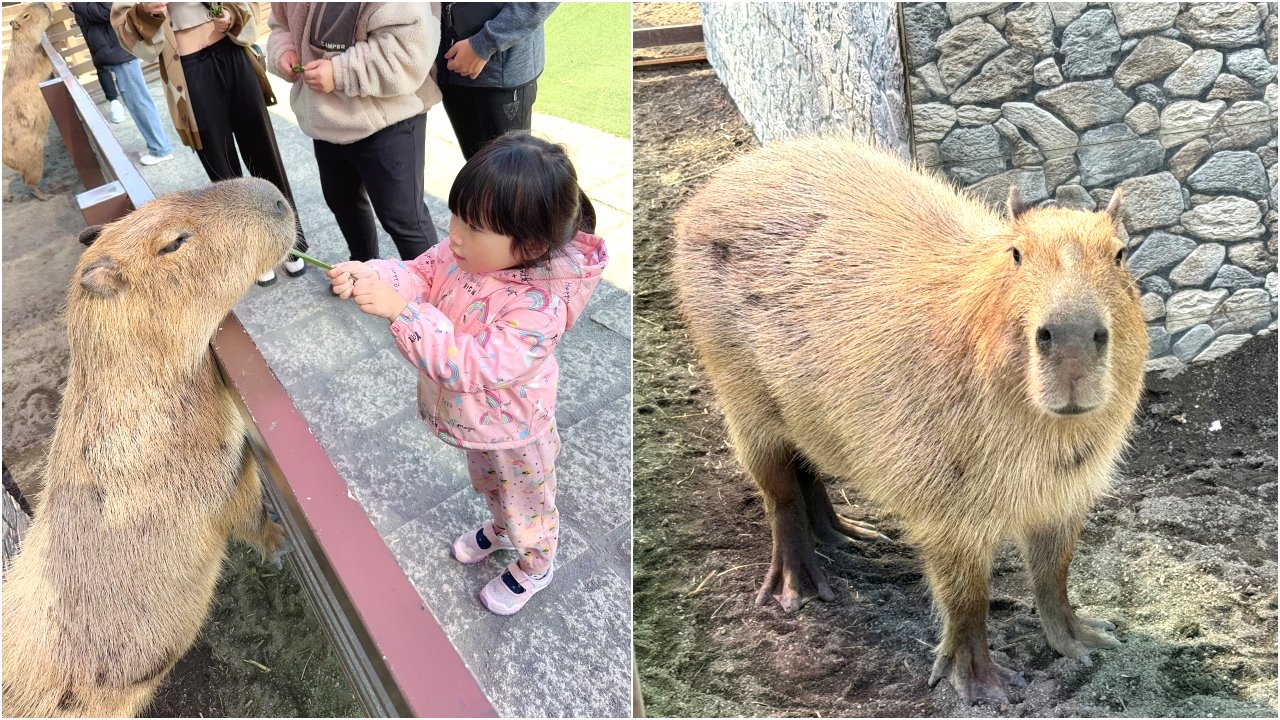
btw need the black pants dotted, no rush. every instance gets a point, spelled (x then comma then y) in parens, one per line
(107, 81)
(479, 115)
(230, 111)
(381, 174)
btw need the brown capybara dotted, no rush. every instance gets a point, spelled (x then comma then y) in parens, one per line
(26, 116)
(149, 472)
(974, 375)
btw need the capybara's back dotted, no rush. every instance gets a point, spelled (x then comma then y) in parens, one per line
(974, 374)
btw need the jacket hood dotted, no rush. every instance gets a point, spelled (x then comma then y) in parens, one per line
(572, 274)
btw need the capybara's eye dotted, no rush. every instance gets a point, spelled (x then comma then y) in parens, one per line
(1017, 256)
(1120, 257)
(173, 246)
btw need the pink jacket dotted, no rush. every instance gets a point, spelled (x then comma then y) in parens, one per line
(482, 343)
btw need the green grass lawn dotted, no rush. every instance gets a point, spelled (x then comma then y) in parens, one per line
(588, 73)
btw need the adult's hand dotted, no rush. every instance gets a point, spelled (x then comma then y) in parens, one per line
(222, 23)
(463, 60)
(318, 75)
(286, 63)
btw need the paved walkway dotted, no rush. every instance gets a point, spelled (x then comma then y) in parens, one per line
(568, 652)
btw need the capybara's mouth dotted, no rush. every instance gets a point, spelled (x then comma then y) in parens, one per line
(1071, 409)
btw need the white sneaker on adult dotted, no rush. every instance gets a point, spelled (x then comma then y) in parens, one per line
(117, 111)
(149, 159)
(267, 279)
(295, 267)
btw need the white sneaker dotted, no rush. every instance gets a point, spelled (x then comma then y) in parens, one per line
(267, 279)
(507, 593)
(473, 546)
(295, 267)
(117, 111)
(150, 159)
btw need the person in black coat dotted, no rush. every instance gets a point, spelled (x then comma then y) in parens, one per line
(491, 55)
(120, 75)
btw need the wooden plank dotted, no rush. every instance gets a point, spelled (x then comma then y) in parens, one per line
(667, 35)
(669, 61)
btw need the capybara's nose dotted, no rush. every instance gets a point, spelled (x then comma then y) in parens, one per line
(281, 208)
(1088, 336)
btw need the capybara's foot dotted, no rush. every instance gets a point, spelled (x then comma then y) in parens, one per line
(40, 194)
(1079, 636)
(272, 543)
(975, 676)
(794, 579)
(837, 530)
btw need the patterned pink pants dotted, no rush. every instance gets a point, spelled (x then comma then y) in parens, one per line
(519, 486)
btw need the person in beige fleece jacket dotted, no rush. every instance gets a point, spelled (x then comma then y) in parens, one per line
(362, 84)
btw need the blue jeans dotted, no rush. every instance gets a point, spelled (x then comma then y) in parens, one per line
(136, 97)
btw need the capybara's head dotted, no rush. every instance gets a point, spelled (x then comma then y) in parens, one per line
(1077, 303)
(31, 23)
(183, 259)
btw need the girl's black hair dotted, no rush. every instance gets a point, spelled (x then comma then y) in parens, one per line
(524, 187)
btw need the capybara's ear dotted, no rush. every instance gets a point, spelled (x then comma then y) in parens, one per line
(1113, 207)
(103, 277)
(89, 234)
(1015, 204)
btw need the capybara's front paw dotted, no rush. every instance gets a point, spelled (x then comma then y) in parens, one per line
(793, 583)
(273, 540)
(1077, 638)
(975, 677)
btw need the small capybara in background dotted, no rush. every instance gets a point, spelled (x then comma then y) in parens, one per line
(973, 374)
(26, 116)
(149, 472)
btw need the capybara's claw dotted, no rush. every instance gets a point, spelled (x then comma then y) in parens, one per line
(40, 194)
(1083, 636)
(979, 681)
(794, 587)
(859, 530)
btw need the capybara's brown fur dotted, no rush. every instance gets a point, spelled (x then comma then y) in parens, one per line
(26, 116)
(971, 373)
(148, 473)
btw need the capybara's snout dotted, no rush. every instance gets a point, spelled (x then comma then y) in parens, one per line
(260, 208)
(1071, 345)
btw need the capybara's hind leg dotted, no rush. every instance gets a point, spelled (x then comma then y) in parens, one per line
(959, 572)
(828, 526)
(1048, 552)
(794, 577)
(250, 521)
(31, 178)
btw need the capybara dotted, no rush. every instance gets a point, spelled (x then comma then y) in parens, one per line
(149, 472)
(26, 116)
(974, 375)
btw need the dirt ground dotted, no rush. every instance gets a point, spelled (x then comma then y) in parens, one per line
(1181, 555)
(262, 652)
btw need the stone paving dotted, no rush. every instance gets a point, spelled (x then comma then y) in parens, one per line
(568, 652)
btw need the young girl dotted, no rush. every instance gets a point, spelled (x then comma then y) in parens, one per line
(479, 316)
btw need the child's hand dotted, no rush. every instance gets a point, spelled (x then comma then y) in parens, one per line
(343, 277)
(378, 297)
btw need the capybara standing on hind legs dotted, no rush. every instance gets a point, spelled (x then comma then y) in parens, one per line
(26, 116)
(148, 473)
(972, 374)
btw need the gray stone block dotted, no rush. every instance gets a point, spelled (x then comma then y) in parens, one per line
(932, 121)
(1152, 201)
(1151, 94)
(1168, 366)
(594, 370)
(611, 307)
(1194, 75)
(1054, 139)
(1252, 65)
(1155, 284)
(595, 471)
(1188, 157)
(1226, 218)
(1253, 257)
(1153, 58)
(973, 116)
(1152, 307)
(1243, 125)
(1006, 77)
(1192, 341)
(1221, 346)
(1238, 172)
(995, 190)
(1086, 104)
(960, 12)
(1157, 341)
(1075, 197)
(1222, 24)
(1141, 18)
(1188, 308)
(1114, 153)
(1159, 252)
(367, 392)
(1199, 266)
(1046, 73)
(1030, 28)
(1187, 120)
(1089, 45)
(1065, 12)
(1230, 87)
(1143, 118)
(1245, 311)
(1235, 278)
(924, 23)
(971, 154)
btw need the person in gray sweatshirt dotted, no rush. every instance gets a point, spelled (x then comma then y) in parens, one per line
(491, 55)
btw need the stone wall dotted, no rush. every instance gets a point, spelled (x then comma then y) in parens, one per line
(1173, 103)
(800, 69)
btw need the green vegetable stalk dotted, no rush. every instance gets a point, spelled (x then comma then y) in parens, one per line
(308, 259)
(215, 10)
(298, 68)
